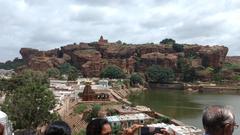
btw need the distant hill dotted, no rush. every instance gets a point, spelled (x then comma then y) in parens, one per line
(233, 59)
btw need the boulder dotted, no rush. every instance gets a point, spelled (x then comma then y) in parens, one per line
(156, 58)
(79, 57)
(213, 56)
(117, 51)
(44, 63)
(93, 68)
(28, 52)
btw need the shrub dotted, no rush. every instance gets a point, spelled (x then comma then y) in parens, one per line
(112, 72)
(158, 74)
(136, 79)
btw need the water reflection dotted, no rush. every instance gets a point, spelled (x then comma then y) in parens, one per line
(172, 103)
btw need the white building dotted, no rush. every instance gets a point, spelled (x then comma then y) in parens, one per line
(128, 120)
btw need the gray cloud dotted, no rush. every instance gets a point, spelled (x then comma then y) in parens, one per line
(53, 23)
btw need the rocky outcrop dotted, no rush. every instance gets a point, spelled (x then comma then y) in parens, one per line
(156, 58)
(91, 58)
(44, 63)
(41, 60)
(79, 57)
(117, 51)
(28, 52)
(92, 68)
(213, 56)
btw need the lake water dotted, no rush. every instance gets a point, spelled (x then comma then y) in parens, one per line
(184, 106)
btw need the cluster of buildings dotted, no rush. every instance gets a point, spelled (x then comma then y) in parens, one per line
(85, 90)
(82, 89)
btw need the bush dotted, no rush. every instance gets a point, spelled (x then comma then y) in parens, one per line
(80, 108)
(178, 47)
(158, 74)
(112, 72)
(168, 41)
(94, 113)
(136, 79)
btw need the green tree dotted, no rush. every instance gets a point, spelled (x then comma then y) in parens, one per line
(73, 75)
(94, 113)
(168, 41)
(112, 72)
(66, 68)
(69, 70)
(188, 73)
(178, 47)
(136, 79)
(159, 74)
(30, 103)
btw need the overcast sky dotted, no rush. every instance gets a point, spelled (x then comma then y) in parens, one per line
(48, 24)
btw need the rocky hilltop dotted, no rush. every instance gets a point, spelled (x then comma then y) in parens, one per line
(91, 58)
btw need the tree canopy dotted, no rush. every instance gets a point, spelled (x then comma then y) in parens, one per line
(136, 79)
(178, 47)
(112, 72)
(30, 102)
(12, 64)
(168, 41)
(159, 74)
(69, 70)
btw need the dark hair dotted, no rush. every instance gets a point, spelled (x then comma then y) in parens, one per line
(1, 129)
(95, 126)
(215, 117)
(58, 128)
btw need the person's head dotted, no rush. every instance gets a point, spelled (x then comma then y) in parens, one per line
(218, 120)
(99, 127)
(58, 128)
(1, 129)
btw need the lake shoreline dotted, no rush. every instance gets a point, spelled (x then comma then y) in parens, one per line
(196, 87)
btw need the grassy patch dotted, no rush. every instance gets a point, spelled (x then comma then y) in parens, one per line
(80, 108)
(231, 66)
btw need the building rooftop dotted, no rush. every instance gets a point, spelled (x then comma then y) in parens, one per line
(128, 117)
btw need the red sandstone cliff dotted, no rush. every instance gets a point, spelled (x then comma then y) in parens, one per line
(91, 58)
